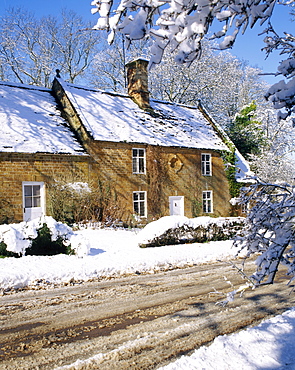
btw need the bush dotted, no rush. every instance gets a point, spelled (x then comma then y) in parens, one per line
(215, 230)
(43, 245)
(5, 253)
(44, 236)
(71, 202)
(80, 202)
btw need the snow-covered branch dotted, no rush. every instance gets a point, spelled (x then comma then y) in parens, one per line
(181, 25)
(269, 229)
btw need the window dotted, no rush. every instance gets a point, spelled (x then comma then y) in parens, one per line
(32, 196)
(206, 165)
(207, 201)
(138, 160)
(139, 203)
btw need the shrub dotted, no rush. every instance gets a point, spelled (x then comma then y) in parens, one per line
(71, 202)
(79, 202)
(44, 236)
(43, 245)
(214, 230)
(6, 211)
(5, 253)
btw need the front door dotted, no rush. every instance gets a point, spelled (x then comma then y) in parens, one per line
(33, 200)
(176, 206)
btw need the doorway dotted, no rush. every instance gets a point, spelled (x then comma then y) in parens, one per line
(176, 206)
(33, 200)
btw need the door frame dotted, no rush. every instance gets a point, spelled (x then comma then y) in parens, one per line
(42, 197)
(178, 198)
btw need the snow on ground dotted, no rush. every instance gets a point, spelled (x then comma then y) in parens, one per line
(112, 253)
(270, 345)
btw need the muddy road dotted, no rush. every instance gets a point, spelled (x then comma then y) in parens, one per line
(136, 322)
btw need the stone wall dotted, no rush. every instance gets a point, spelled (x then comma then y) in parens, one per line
(137, 78)
(18, 167)
(169, 172)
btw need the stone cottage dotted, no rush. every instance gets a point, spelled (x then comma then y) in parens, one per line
(151, 158)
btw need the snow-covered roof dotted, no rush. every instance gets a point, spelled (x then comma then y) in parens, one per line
(30, 122)
(116, 118)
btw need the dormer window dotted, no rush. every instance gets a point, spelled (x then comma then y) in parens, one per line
(206, 164)
(138, 160)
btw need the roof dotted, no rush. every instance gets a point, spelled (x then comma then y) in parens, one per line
(115, 117)
(30, 122)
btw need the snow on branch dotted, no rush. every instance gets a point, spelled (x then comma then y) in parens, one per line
(181, 24)
(282, 94)
(269, 233)
(269, 229)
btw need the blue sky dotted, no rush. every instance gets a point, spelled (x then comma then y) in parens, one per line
(247, 47)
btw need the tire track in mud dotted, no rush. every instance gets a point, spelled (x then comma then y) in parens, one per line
(137, 322)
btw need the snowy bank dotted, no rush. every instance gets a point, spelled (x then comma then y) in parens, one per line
(270, 345)
(177, 229)
(112, 253)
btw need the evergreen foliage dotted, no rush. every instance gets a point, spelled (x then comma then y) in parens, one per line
(5, 253)
(43, 245)
(245, 132)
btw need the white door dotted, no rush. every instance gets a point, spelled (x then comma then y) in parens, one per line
(33, 200)
(176, 205)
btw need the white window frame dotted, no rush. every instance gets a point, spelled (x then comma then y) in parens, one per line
(207, 201)
(206, 164)
(140, 203)
(138, 161)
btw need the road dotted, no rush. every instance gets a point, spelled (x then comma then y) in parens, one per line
(135, 322)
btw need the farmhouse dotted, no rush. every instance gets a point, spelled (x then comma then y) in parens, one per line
(150, 158)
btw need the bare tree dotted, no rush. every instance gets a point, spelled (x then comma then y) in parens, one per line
(31, 49)
(275, 162)
(20, 48)
(108, 68)
(222, 82)
(76, 44)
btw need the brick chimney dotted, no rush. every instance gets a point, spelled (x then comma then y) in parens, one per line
(137, 78)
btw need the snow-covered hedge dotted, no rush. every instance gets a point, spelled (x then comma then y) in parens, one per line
(178, 230)
(19, 237)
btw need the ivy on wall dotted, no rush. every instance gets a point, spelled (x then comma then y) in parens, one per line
(157, 175)
(230, 160)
